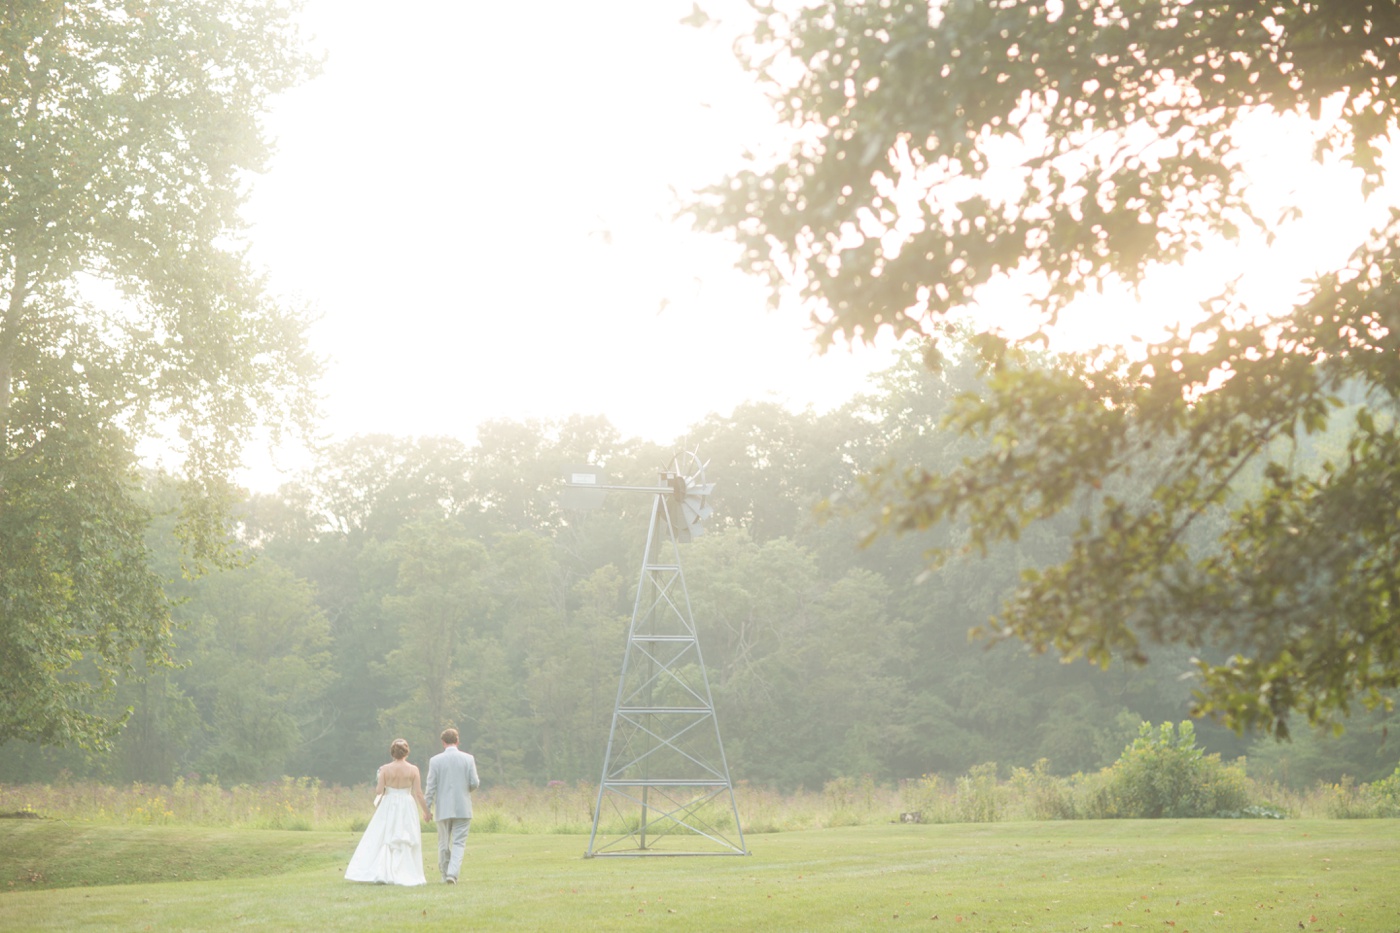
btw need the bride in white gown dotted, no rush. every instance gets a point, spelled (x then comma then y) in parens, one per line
(391, 850)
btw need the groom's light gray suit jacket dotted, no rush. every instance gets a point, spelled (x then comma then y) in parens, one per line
(451, 780)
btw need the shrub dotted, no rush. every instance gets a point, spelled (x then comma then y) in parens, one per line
(1386, 794)
(1347, 800)
(1043, 796)
(1163, 774)
(978, 795)
(851, 801)
(924, 796)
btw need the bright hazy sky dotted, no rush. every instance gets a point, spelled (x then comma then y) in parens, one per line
(476, 198)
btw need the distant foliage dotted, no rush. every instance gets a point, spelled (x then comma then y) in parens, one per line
(414, 583)
(1386, 793)
(1164, 774)
(1044, 796)
(975, 797)
(979, 795)
(559, 807)
(1348, 800)
(851, 801)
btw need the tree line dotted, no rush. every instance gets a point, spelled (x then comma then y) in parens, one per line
(404, 584)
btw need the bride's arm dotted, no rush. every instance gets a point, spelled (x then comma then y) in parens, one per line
(379, 785)
(418, 796)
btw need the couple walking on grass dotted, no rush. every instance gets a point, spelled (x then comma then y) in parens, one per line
(391, 850)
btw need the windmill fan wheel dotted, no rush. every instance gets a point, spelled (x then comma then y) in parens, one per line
(691, 495)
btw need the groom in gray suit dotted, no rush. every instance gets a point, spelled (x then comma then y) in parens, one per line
(451, 780)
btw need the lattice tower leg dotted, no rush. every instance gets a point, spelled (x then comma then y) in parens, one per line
(665, 788)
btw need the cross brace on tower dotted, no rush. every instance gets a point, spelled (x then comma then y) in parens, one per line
(665, 788)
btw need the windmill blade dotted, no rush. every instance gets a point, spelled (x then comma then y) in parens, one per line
(692, 494)
(695, 520)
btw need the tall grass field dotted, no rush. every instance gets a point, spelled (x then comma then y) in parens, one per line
(1032, 852)
(1165, 875)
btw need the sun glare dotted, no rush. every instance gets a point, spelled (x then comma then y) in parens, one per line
(1317, 217)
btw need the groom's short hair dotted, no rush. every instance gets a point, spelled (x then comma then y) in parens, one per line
(449, 736)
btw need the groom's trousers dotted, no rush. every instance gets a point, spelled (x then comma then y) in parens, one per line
(452, 845)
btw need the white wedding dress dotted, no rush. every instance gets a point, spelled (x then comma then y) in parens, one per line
(391, 850)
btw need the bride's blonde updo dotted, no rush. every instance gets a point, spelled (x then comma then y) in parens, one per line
(399, 749)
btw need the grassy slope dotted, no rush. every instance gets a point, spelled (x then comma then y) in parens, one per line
(59, 854)
(1163, 875)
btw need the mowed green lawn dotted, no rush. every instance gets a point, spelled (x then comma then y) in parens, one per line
(1173, 876)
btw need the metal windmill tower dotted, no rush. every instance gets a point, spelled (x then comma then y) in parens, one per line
(665, 788)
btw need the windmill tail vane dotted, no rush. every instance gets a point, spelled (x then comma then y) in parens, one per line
(684, 482)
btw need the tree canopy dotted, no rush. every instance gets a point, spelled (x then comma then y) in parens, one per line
(127, 310)
(390, 602)
(944, 147)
